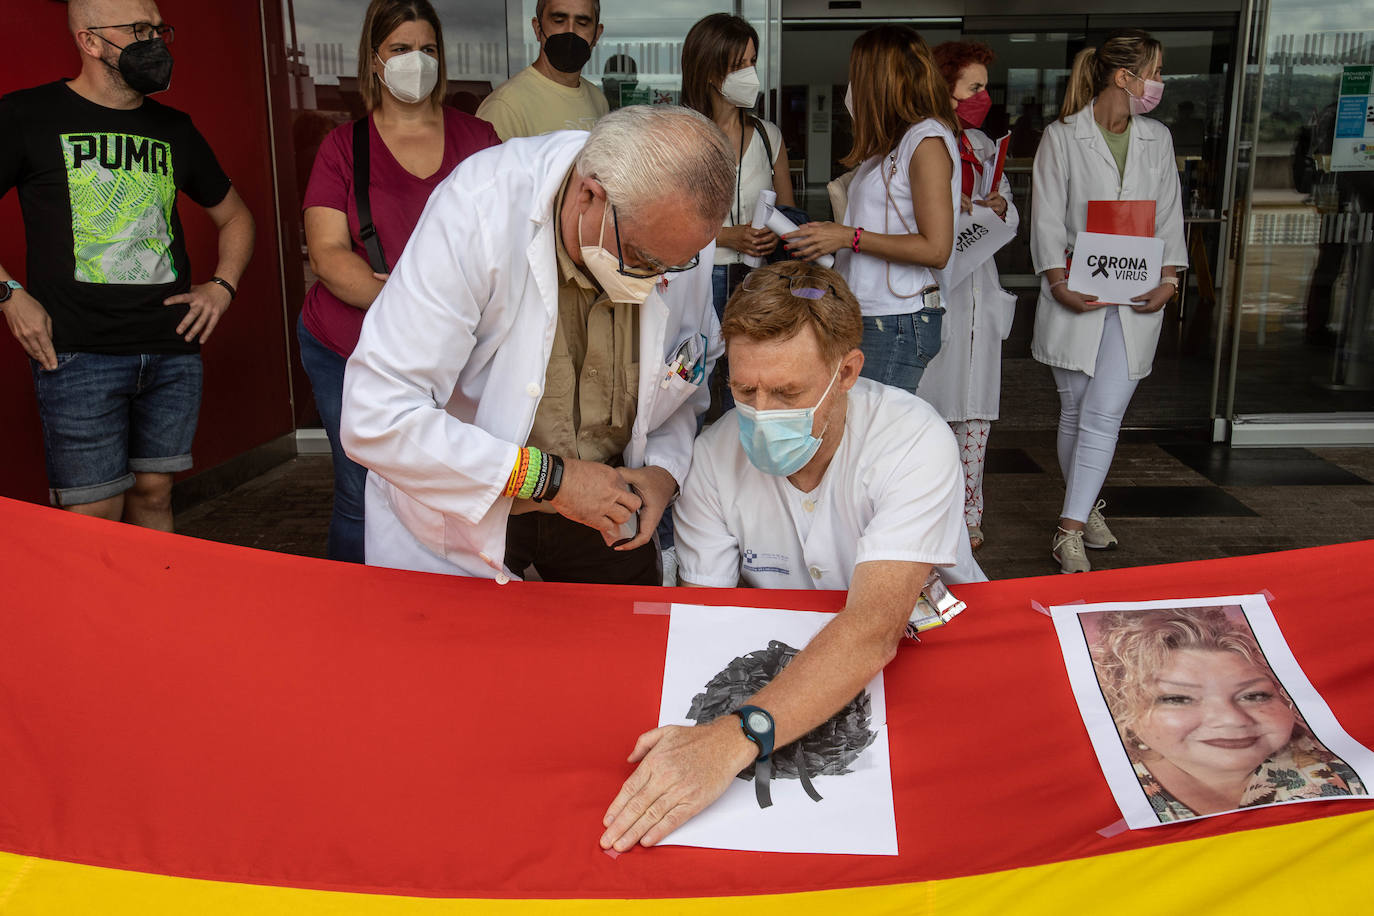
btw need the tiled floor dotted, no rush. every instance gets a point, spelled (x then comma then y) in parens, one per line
(1168, 500)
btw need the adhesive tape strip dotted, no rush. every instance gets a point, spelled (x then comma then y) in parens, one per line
(1268, 595)
(1112, 830)
(1037, 606)
(612, 853)
(661, 608)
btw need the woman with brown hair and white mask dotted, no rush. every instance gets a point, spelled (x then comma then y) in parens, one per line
(412, 141)
(898, 228)
(720, 80)
(1102, 148)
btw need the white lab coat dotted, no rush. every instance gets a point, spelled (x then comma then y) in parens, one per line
(1073, 166)
(964, 380)
(444, 383)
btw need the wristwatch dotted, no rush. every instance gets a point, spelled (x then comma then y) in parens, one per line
(757, 726)
(7, 288)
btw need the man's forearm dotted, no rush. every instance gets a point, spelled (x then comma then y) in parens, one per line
(848, 652)
(827, 674)
(235, 247)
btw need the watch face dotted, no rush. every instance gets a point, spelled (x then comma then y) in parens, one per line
(759, 723)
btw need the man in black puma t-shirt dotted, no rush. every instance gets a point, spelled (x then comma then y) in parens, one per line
(111, 319)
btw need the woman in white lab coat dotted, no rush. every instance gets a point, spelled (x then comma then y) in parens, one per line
(964, 380)
(1101, 148)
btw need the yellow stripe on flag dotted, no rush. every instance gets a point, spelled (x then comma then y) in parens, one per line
(1313, 866)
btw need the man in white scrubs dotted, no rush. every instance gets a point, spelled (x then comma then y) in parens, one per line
(818, 479)
(530, 376)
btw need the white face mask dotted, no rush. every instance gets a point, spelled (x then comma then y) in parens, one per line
(741, 88)
(849, 99)
(410, 76)
(605, 269)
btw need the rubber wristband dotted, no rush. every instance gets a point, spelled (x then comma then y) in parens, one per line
(233, 293)
(858, 234)
(545, 465)
(1172, 281)
(1059, 283)
(532, 476)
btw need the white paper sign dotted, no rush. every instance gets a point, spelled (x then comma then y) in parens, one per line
(977, 236)
(1115, 268)
(855, 815)
(1196, 707)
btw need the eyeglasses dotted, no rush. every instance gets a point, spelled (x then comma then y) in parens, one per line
(654, 269)
(799, 285)
(144, 31)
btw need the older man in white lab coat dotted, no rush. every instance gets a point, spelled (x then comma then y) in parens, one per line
(530, 376)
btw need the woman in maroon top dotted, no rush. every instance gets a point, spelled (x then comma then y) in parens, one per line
(414, 143)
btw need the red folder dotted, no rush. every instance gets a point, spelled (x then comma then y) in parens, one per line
(1122, 217)
(1000, 165)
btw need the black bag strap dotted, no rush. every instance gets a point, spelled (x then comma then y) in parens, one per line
(362, 153)
(767, 147)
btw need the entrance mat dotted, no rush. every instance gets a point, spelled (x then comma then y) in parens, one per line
(1173, 502)
(1262, 467)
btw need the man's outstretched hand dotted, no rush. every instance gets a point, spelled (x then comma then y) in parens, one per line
(681, 770)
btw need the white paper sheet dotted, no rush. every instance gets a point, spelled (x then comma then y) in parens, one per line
(977, 236)
(1078, 627)
(856, 814)
(1115, 268)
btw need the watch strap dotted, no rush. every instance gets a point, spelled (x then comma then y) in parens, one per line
(763, 774)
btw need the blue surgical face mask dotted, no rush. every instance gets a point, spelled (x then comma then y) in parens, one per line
(779, 442)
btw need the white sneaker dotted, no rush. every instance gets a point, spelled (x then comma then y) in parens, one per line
(669, 566)
(1067, 548)
(1096, 534)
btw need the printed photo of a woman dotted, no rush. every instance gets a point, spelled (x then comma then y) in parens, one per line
(1205, 722)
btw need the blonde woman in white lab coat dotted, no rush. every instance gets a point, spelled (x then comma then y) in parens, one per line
(1101, 148)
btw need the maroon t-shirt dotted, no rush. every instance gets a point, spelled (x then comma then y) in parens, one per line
(397, 199)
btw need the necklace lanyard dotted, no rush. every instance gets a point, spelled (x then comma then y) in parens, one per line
(887, 175)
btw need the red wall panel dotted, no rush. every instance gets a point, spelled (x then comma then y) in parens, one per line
(218, 79)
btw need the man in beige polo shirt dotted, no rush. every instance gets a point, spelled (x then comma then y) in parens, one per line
(550, 94)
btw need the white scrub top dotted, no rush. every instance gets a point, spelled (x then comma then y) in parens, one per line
(894, 491)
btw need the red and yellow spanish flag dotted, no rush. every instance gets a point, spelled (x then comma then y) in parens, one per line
(187, 727)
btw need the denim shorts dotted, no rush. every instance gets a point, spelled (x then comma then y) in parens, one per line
(897, 348)
(108, 416)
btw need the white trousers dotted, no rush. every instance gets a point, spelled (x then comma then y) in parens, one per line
(1090, 412)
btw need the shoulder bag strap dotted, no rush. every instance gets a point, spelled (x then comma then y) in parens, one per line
(362, 153)
(767, 147)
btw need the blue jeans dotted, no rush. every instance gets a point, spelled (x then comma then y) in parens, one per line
(897, 348)
(108, 416)
(326, 371)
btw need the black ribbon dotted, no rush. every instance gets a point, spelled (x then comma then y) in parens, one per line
(1100, 269)
(804, 776)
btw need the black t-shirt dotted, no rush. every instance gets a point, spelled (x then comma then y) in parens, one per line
(98, 189)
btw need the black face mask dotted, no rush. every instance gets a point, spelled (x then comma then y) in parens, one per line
(567, 51)
(145, 65)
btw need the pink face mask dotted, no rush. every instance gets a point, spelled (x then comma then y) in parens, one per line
(1146, 101)
(974, 109)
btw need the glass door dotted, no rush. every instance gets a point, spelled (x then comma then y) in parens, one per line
(1301, 328)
